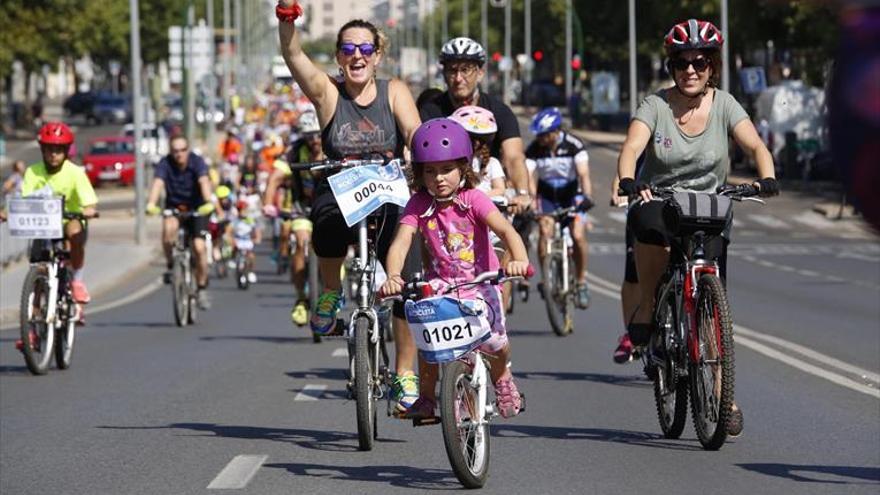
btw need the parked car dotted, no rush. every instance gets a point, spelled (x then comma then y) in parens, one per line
(112, 108)
(79, 104)
(110, 159)
(154, 143)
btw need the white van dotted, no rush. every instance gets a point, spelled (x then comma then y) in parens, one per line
(791, 106)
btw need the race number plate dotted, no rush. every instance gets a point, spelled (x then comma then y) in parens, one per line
(445, 328)
(35, 218)
(359, 191)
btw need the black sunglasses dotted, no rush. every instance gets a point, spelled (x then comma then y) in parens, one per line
(700, 64)
(367, 49)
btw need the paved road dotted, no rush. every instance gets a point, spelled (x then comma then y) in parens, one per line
(151, 408)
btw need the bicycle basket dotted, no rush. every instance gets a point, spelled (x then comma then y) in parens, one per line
(445, 328)
(688, 212)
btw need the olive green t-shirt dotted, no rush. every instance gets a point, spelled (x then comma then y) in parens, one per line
(694, 163)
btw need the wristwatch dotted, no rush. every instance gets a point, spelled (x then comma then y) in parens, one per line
(523, 192)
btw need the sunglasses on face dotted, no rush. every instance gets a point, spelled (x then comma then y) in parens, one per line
(367, 49)
(700, 64)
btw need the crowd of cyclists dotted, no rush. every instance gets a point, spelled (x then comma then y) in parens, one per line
(465, 149)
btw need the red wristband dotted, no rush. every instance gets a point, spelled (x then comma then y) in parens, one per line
(288, 14)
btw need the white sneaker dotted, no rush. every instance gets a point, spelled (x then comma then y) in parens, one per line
(252, 277)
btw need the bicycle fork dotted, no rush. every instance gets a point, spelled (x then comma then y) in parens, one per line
(51, 316)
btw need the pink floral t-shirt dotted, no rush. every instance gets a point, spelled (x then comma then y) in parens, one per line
(456, 235)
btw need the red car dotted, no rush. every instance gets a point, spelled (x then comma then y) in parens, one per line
(110, 159)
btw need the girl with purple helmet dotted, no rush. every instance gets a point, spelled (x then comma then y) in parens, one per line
(454, 220)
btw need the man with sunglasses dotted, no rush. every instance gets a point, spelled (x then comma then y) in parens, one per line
(463, 60)
(684, 131)
(183, 177)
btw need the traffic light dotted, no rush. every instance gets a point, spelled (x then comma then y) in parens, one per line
(538, 55)
(496, 57)
(576, 62)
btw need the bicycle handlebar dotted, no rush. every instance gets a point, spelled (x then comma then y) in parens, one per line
(413, 288)
(736, 193)
(332, 164)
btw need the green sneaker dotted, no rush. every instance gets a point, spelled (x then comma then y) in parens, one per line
(405, 391)
(323, 319)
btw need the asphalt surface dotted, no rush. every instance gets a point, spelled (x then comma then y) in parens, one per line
(151, 408)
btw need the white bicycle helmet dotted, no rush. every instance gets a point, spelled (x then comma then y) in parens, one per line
(476, 120)
(462, 49)
(308, 124)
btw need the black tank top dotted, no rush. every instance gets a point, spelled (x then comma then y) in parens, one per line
(358, 131)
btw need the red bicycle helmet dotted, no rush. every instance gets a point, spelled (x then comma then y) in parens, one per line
(692, 35)
(55, 133)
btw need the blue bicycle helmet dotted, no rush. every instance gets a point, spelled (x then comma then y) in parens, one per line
(547, 120)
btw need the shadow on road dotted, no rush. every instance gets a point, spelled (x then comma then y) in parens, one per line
(640, 438)
(320, 373)
(259, 338)
(835, 475)
(10, 370)
(531, 333)
(333, 441)
(135, 324)
(638, 381)
(403, 476)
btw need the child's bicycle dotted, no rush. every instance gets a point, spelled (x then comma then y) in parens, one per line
(449, 331)
(48, 313)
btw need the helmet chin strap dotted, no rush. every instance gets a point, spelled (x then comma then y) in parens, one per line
(444, 199)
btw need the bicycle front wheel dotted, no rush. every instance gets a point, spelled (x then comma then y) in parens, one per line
(363, 384)
(465, 434)
(37, 336)
(712, 376)
(559, 304)
(670, 387)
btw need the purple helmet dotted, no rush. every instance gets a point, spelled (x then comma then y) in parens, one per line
(440, 140)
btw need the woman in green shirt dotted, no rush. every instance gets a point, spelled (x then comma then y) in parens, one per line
(684, 131)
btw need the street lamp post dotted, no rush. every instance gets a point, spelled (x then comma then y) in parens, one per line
(226, 66)
(507, 50)
(134, 19)
(484, 37)
(445, 24)
(465, 8)
(632, 57)
(725, 64)
(568, 46)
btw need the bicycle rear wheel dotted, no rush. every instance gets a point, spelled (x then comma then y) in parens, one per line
(193, 291)
(37, 336)
(363, 384)
(180, 292)
(670, 387)
(465, 436)
(712, 378)
(560, 306)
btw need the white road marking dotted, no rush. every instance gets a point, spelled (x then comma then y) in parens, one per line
(812, 219)
(340, 352)
(617, 216)
(311, 392)
(238, 473)
(769, 221)
(745, 336)
(857, 256)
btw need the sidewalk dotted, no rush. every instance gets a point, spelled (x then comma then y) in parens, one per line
(111, 258)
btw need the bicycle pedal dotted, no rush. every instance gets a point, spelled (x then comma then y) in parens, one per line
(433, 420)
(522, 403)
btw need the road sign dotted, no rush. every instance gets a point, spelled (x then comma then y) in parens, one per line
(753, 79)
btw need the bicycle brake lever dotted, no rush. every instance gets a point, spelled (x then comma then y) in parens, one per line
(756, 200)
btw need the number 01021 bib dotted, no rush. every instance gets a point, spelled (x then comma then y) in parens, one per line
(445, 328)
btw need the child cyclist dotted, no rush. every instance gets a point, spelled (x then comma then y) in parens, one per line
(480, 124)
(454, 220)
